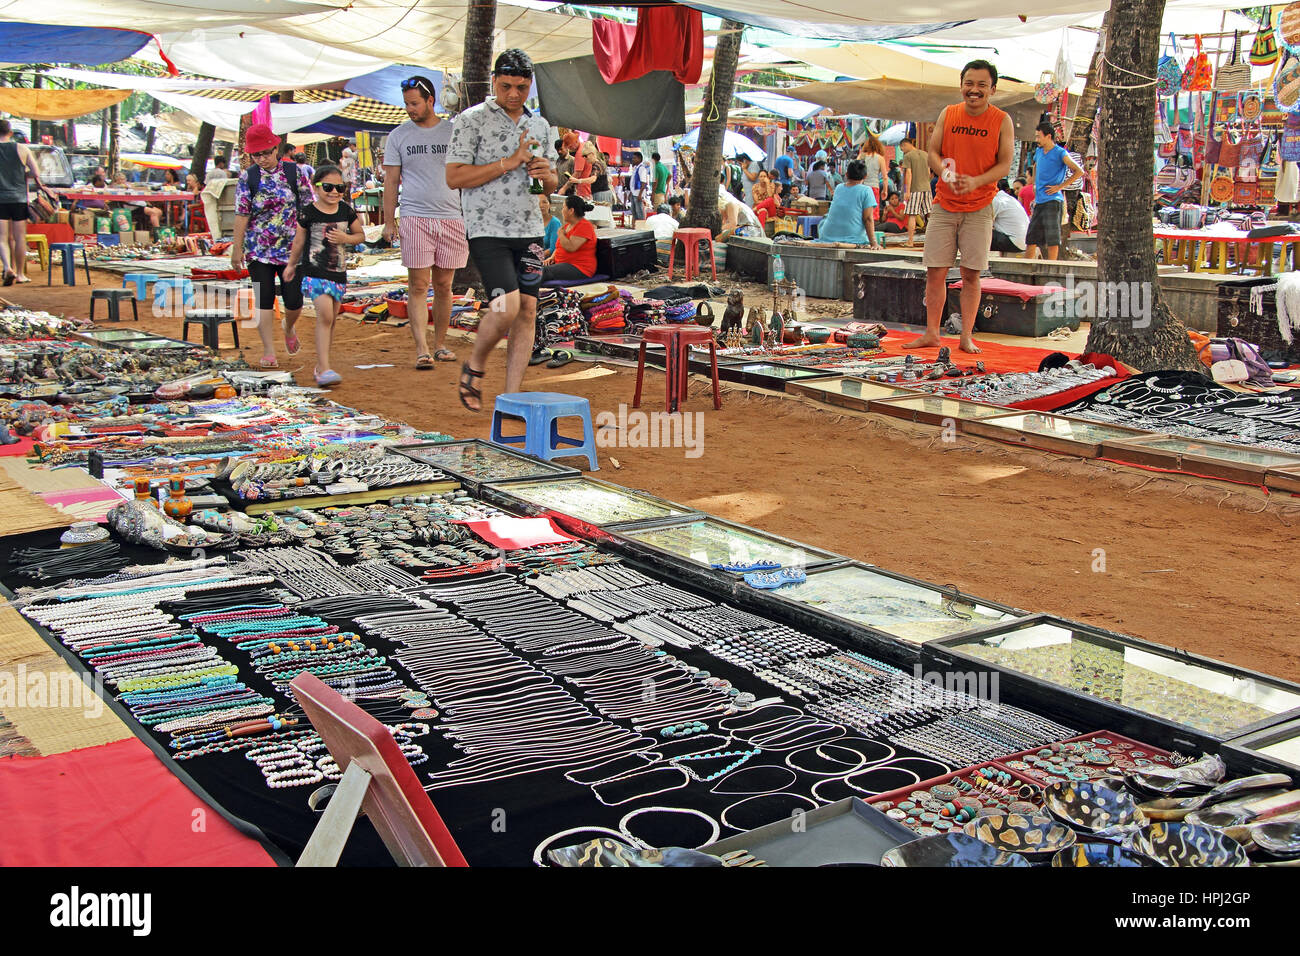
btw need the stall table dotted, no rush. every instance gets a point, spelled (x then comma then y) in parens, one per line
(1213, 257)
(161, 199)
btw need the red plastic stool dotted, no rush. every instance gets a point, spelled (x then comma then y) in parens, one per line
(677, 341)
(690, 240)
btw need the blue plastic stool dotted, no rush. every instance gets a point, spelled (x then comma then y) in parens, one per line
(69, 251)
(164, 287)
(541, 412)
(141, 282)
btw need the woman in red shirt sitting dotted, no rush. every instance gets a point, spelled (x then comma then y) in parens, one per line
(894, 216)
(575, 247)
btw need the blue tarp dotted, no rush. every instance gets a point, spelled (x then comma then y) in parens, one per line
(47, 43)
(338, 126)
(786, 106)
(386, 85)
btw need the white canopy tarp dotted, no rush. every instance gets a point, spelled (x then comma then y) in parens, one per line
(225, 114)
(158, 16)
(253, 56)
(855, 13)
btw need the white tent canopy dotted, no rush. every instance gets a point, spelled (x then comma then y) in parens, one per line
(253, 56)
(225, 114)
(158, 16)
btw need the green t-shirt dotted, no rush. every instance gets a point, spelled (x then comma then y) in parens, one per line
(661, 178)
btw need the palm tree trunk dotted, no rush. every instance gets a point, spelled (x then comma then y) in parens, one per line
(703, 212)
(1151, 337)
(476, 67)
(245, 160)
(151, 137)
(103, 132)
(1085, 114)
(114, 139)
(202, 150)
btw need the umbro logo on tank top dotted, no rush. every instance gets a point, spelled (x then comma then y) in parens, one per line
(971, 142)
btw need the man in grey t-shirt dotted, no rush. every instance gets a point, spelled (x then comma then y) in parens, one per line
(433, 234)
(497, 149)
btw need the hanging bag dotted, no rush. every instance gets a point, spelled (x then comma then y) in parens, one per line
(1169, 74)
(1214, 145)
(1286, 85)
(1263, 52)
(1235, 76)
(1045, 90)
(1198, 77)
(1221, 186)
(1064, 68)
(1288, 25)
(1249, 105)
(1289, 151)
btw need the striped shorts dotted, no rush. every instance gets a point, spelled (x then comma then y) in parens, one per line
(918, 203)
(439, 243)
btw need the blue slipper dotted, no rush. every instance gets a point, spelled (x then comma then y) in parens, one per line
(748, 566)
(777, 579)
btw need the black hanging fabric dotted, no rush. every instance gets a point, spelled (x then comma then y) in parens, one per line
(574, 95)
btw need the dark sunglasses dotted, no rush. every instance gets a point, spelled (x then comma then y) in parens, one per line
(331, 187)
(262, 152)
(416, 82)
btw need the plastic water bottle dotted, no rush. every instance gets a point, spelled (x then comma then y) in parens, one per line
(778, 269)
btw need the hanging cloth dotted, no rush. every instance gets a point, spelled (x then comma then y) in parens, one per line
(664, 38)
(57, 104)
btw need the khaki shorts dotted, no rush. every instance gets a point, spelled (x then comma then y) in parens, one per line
(948, 234)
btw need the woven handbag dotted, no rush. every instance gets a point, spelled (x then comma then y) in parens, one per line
(1169, 74)
(1288, 25)
(1286, 85)
(1289, 150)
(1263, 52)
(1235, 75)
(1221, 186)
(1229, 150)
(1198, 76)
(1249, 106)
(1213, 145)
(1045, 90)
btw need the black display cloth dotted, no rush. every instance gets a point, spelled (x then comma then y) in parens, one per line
(498, 823)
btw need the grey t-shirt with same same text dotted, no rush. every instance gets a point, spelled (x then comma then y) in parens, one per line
(421, 152)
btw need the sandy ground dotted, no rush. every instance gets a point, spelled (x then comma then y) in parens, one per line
(1195, 564)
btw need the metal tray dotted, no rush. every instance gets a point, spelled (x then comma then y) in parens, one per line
(847, 831)
(476, 462)
(1057, 433)
(597, 502)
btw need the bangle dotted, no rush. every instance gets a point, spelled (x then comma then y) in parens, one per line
(502, 163)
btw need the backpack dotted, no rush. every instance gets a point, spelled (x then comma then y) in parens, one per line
(290, 173)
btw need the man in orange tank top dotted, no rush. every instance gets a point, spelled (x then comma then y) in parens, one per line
(970, 150)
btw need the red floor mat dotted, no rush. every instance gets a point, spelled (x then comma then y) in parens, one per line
(112, 805)
(995, 356)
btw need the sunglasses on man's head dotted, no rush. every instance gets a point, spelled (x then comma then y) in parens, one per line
(331, 187)
(416, 82)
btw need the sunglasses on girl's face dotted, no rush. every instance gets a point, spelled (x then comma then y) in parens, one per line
(331, 187)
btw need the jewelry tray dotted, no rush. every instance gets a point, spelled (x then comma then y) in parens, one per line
(1283, 479)
(846, 831)
(849, 391)
(933, 410)
(1173, 699)
(1055, 433)
(588, 500)
(1159, 758)
(476, 462)
(918, 617)
(687, 547)
(894, 797)
(1213, 459)
(769, 375)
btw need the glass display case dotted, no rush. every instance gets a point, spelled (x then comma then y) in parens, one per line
(476, 462)
(1069, 436)
(1266, 751)
(770, 374)
(1211, 700)
(708, 541)
(1214, 459)
(1284, 479)
(588, 499)
(113, 335)
(848, 392)
(933, 410)
(907, 610)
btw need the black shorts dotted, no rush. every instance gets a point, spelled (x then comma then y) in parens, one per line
(508, 265)
(1004, 243)
(264, 276)
(1045, 224)
(14, 211)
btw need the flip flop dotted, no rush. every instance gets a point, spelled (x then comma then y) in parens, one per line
(539, 356)
(444, 355)
(272, 363)
(560, 358)
(291, 344)
(11, 278)
(424, 361)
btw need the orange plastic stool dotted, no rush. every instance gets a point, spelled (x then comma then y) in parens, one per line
(690, 240)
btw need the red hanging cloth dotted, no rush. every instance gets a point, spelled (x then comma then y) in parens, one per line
(664, 38)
